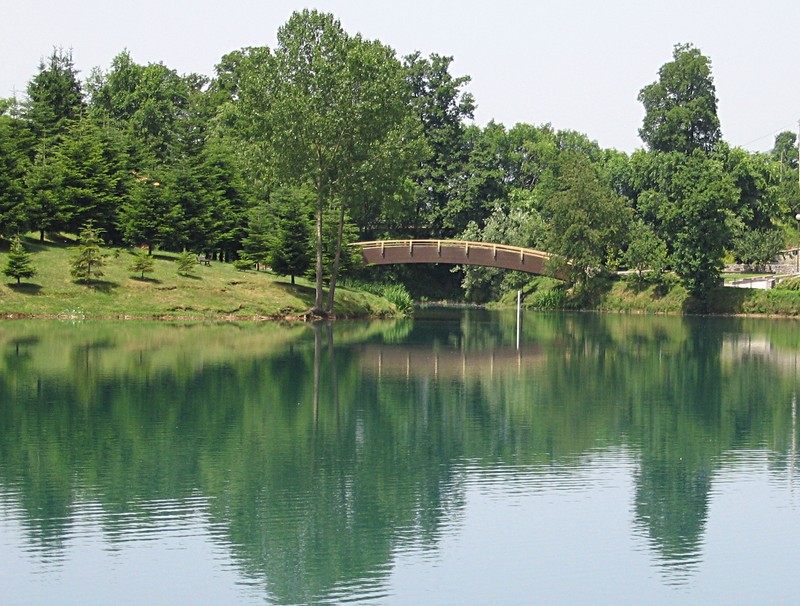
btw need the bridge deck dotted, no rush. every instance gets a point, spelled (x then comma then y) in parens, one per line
(455, 252)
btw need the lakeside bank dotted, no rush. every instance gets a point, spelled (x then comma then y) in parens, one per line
(213, 291)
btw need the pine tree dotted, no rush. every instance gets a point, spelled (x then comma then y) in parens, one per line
(90, 257)
(55, 97)
(292, 253)
(19, 262)
(186, 261)
(142, 263)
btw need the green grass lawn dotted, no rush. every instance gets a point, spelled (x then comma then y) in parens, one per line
(211, 292)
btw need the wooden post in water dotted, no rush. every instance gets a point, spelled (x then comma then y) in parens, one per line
(519, 300)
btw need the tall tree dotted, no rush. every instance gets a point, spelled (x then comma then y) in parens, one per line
(785, 152)
(15, 143)
(148, 101)
(93, 178)
(442, 107)
(55, 96)
(701, 221)
(291, 252)
(681, 106)
(148, 215)
(323, 103)
(689, 200)
(46, 208)
(588, 220)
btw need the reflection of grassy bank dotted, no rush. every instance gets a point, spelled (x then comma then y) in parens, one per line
(95, 349)
(213, 291)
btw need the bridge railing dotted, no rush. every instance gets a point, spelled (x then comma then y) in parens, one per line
(410, 244)
(457, 252)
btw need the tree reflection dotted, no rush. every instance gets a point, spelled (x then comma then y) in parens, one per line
(323, 449)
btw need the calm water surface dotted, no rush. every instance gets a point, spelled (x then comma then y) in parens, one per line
(608, 460)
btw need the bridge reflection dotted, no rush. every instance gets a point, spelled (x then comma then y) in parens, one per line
(421, 362)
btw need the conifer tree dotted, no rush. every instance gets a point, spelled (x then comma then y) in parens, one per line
(292, 252)
(186, 261)
(89, 260)
(142, 263)
(19, 262)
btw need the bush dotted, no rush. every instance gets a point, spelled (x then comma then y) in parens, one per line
(788, 284)
(548, 299)
(397, 294)
(243, 264)
(399, 297)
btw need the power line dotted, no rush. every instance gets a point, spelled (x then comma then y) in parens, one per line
(772, 133)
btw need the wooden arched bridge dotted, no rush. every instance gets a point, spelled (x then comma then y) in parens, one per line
(456, 252)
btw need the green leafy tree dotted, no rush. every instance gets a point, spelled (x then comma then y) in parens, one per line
(757, 247)
(757, 206)
(87, 264)
(46, 210)
(147, 101)
(785, 153)
(587, 220)
(19, 264)
(224, 198)
(142, 263)
(484, 182)
(441, 105)
(321, 106)
(92, 179)
(520, 225)
(681, 106)
(645, 249)
(291, 252)
(701, 218)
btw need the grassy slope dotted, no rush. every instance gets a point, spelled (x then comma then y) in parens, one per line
(218, 290)
(724, 301)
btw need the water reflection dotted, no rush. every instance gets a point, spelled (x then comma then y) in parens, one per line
(318, 455)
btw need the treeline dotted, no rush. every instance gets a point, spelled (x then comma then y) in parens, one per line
(287, 154)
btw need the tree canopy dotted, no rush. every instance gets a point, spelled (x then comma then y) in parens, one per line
(387, 148)
(681, 106)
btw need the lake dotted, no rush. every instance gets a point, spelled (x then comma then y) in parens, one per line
(606, 459)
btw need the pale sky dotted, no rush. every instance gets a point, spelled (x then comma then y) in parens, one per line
(577, 64)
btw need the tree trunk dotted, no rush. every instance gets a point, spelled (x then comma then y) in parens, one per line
(336, 259)
(318, 310)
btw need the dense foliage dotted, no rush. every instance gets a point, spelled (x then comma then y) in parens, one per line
(288, 153)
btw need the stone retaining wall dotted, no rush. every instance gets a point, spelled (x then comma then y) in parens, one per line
(785, 263)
